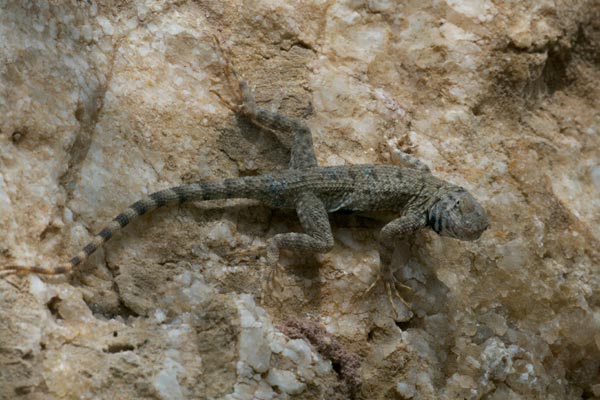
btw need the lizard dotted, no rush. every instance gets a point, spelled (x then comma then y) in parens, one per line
(416, 198)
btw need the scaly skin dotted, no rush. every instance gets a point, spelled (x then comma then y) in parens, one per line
(417, 198)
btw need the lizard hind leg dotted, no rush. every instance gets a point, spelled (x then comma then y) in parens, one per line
(242, 103)
(410, 161)
(317, 239)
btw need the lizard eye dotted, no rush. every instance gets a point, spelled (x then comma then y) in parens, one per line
(457, 205)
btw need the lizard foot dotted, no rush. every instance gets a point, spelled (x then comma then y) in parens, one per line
(271, 282)
(391, 285)
(240, 95)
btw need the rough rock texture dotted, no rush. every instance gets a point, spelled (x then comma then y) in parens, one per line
(104, 101)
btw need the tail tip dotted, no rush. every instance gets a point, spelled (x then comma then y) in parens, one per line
(16, 269)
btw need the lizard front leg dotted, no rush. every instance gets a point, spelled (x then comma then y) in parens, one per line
(388, 237)
(394, 231)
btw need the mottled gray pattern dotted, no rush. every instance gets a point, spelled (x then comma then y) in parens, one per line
(413, 194)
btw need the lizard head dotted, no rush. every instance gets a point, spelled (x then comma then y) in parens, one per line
(458, 215)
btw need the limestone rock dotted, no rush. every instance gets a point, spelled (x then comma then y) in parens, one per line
(102, 102)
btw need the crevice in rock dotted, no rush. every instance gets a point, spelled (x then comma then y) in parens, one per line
(23, 390)
(52, 305)
(554, 75)
(404, 325)
(587, 41)
(527, 75)
(119, 348)
(534, 73)
(88, 111)
(18, 135)
(124, 311)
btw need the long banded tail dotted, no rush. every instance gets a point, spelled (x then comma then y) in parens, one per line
(225, 189)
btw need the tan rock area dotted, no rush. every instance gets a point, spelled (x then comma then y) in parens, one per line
(102, 102)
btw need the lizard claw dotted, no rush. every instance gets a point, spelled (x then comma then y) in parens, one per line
(271, 282)
(372, 285)
(391, 287)
(236, 87)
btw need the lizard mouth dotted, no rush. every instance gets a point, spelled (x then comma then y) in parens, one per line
(472, 226)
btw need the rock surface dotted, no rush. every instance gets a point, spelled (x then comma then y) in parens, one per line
(102, 102)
